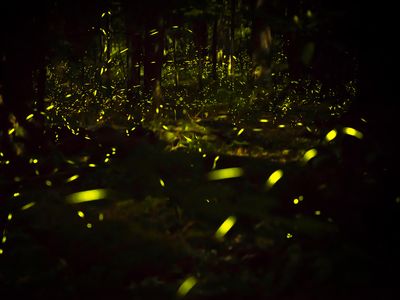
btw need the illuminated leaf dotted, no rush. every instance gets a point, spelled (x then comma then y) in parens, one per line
(352, 132)
(186, 286)
(275, 176)
(225, 227)
(85, 196)
(310, 154)
(225, 173)
(331, 135)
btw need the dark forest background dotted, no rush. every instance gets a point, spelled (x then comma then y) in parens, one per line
(214, 149)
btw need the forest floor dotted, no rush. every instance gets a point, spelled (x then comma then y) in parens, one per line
(161, 222)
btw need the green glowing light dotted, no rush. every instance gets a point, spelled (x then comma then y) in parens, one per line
(240, 131)
(29, 117)
(186, 286)
(352, 132)
(331, 135)
(85, 196)
(289, 235)
(225, 173)
(310, 154)
(9, 217)
(72, 178)
(263, 120)
(162, 182)
(225, 227)
(81, 214)
(273, 179)
(215, 162)
(27, 206)
(295, 201)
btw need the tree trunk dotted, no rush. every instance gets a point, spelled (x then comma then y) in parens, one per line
(200, 29)
(153, 59)
(214, 48)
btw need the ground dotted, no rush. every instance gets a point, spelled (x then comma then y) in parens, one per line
(294, 213)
